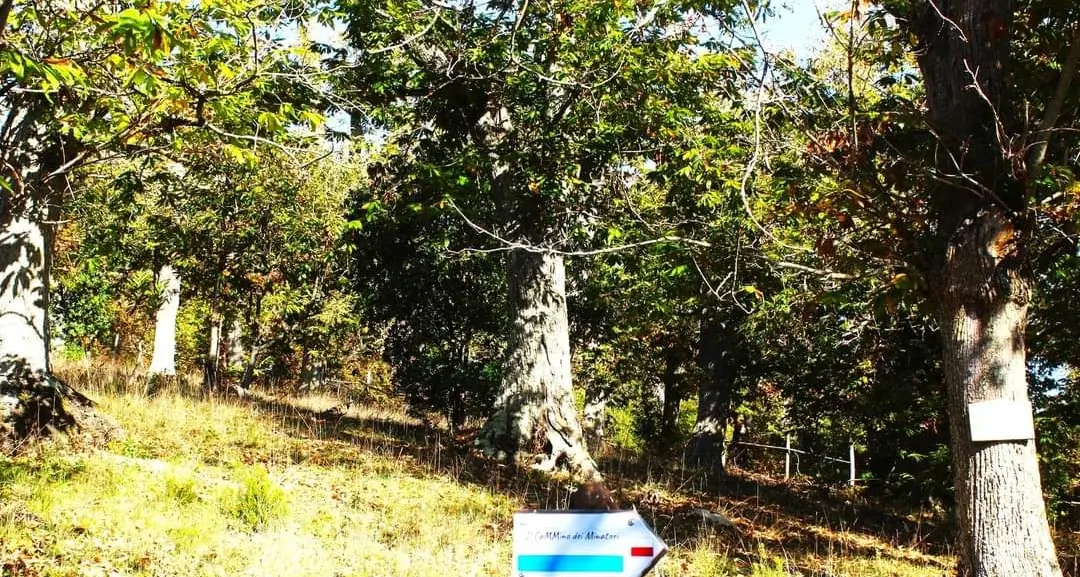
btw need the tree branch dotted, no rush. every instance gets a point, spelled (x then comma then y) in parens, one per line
(1038, 151)
(828, 274)
(5, 11)
(408, 40)
(508, 245)
(755, 157)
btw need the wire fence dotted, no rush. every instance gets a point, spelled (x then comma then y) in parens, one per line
(789, 451)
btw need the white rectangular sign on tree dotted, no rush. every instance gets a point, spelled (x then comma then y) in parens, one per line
(1001, 420)
(584, 544)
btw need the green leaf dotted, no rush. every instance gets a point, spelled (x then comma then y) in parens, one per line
(678, 271)
(270, 121)
(313, 119)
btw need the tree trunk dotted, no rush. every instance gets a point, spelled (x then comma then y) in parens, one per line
(163, 361)
(535, 418)
(253, 353)
(34, 162)
(980, 287)
(672, 397)
(983, 301)
(211, 378)
(24, 294)
(32, 400)
(236, 355)
(979, 281)
(313, 371)
(706, 446)
(594, 418)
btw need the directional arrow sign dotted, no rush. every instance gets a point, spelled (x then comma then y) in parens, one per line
(584, 544)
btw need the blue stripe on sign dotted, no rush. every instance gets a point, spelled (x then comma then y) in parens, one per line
(571, 563)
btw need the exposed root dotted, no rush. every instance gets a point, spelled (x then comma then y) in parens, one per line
(36, 406)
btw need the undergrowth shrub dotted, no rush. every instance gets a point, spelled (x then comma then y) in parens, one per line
(258, 502)
(622, 429)
(181, 489)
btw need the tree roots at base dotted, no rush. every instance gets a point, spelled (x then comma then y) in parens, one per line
(35, 406)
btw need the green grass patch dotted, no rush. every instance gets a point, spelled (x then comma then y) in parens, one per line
(257, 502)
(181, 489)
(207, 488)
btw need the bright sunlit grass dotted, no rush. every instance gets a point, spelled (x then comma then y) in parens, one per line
(267, 488)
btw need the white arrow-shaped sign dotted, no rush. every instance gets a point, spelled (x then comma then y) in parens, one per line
(584, 544)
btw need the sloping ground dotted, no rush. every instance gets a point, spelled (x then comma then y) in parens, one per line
(266, 487)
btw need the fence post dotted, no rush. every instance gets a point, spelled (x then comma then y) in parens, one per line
(787, 456)
(851, 466)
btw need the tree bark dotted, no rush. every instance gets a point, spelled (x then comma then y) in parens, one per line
(33, 402)
(31, 399)
(313, 371)
(24, 293)
(594, 418)
(535, 419)
(983, 301)
(255, 312)
(979, 281)
(163, 361)
(706, 446)
(212, 362)
(236, 355)
(671, 398)
(255, 331)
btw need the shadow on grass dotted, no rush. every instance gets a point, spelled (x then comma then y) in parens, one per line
(785, 520)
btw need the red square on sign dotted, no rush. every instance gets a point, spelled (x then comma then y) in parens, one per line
(641, 552)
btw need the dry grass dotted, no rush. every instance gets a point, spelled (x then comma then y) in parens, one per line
(264, 486)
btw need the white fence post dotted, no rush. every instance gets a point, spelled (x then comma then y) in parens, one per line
(851, 466)
(788, 450)
(787, 457)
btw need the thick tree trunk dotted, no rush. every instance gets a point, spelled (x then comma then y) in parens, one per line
(983, 300)
(33, 156)
(706, 446)
(313, 371)
(24, 294)
(980, 287)
(33, 401)
(535, 419)
(30, 399)
(163, 361)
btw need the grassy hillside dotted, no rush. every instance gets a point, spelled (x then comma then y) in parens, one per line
(267, 487)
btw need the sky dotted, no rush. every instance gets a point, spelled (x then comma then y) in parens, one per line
(796, 26)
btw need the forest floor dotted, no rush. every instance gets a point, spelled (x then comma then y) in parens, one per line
(267, 486)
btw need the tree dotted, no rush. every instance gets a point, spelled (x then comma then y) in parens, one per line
(163, 359)
(442, 313)
(534, 109)
(982, 193)
(80, 83)
(957, 209)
